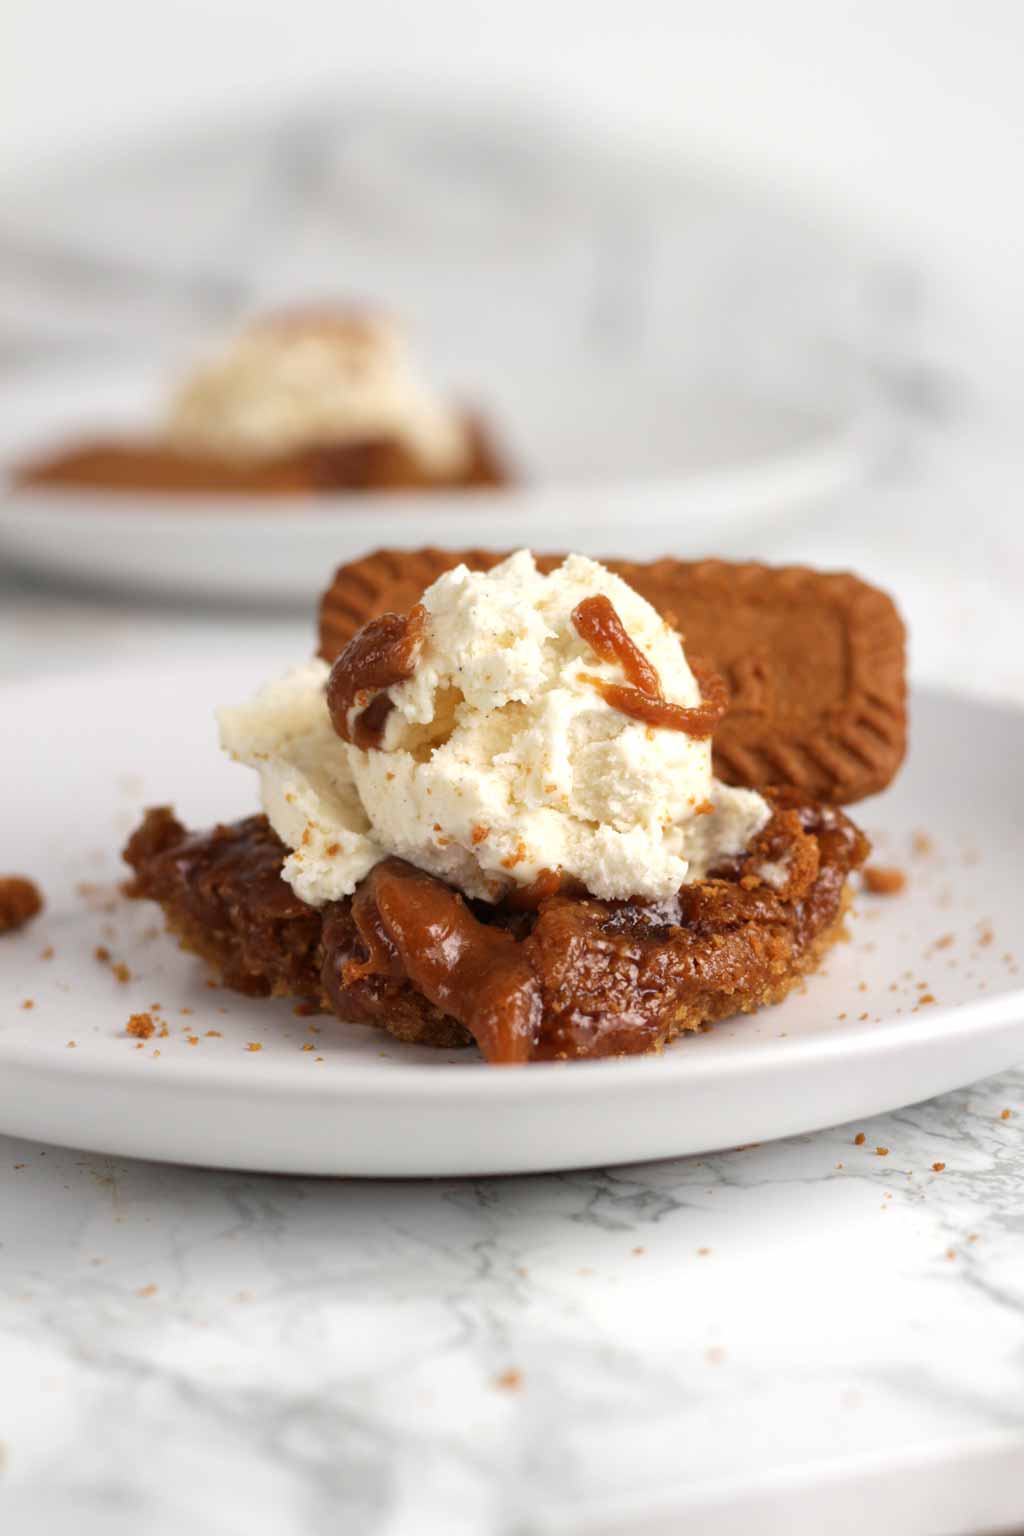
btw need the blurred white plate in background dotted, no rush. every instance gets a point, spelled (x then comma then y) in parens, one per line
(668, 356)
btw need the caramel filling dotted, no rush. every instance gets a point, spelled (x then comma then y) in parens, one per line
(383, 653)
(641, 696)
(412, 926)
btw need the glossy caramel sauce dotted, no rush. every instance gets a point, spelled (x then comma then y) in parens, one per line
(412, 926)
(383, 653)
(641, 696)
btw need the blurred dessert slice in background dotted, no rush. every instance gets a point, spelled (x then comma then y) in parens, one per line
(305, 401)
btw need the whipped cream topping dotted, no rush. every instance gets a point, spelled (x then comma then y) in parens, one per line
(311, 378)
(499, 757)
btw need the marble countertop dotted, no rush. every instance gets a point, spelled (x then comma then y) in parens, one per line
(597, 1351)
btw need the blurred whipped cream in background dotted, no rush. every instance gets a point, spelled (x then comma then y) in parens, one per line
(314, 376)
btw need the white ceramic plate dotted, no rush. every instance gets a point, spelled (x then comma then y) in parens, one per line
(670, 355)
(86, 755)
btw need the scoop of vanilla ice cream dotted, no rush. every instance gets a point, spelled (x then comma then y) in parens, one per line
(315, 377)
(499, 759)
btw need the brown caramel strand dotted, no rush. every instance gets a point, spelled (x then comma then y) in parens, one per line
(383, 653)
(20, 901)
(414, 926)
(641, 696)
(597, 623)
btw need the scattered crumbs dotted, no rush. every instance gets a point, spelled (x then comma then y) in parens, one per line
(102, 954)
(510, 1380)
(72, 1044)
(703, 1252)
(121, 972)
(140, 1026)
(881, 1151)
(307, 1045)
(147, 1290)
(1006, 1113)
(185, 1010)
(986, 935)
(314, 1029)
(213, 985)
(49, 952)
(972, 1237)
(522, 1271)
(839, 1165)
(945, 942)
(305, 1010)
(842, 1016)
(861, 1017)
(950, 1253)
(156, 1053)
(638, 1251)
(924, 1000)
(254, 1045)
(862, 986)
(28, 1002)
(214, 1034)
(20, 901)
(715, 1355)
(164, 1031)
(319, 1058)
(938, 1167)
(193, 1039)
(884, 880)
(922, 844)
(859, 1139)
(19, 1165)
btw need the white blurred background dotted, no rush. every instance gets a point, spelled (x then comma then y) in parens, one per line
(900, 126)
(908, 115)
